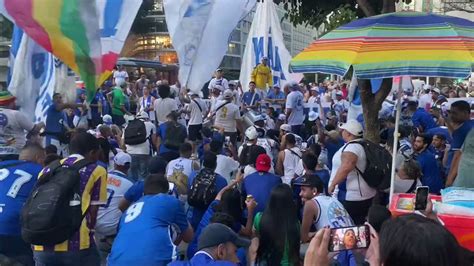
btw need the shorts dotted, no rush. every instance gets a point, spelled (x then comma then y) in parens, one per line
(194, 132)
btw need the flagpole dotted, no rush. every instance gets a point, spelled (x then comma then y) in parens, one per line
(395, 137)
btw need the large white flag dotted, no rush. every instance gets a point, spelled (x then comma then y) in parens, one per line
(266, 40)
(32, 80)
(200, 31)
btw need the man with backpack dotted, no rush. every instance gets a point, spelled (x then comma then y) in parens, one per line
(18, 179)
(171, 135)
(62, 231)
(203, 186)
(140, 139)
(347, 165)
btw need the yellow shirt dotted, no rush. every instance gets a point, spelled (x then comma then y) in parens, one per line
(93, 188)
(262, 75)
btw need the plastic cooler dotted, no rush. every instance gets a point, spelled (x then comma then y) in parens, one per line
(462, 227)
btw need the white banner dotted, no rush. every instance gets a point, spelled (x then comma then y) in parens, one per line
(32, 79)
(266, 40)
(200, 31)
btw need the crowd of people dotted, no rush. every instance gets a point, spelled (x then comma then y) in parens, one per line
(240, 178)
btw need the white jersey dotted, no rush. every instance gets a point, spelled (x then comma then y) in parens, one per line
(109, 215)
(290, 163)
(227, 116)
(197, 108)
(14, 126)
(331, 212)
(181, 165)
(218, 82)
(147, 102)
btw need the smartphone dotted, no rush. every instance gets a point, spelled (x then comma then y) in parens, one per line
(346, 238)
(421, 198)
(227, 140)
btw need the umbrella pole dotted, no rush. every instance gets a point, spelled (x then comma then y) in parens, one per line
(395, 137)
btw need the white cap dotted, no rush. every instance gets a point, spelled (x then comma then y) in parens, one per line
(219, 87)
(282, 117)
(354, 127)
(312, 115)
(436, 90)
(285, 127)
(122, 158)
(228, 94)
(143, 115)
(251, 133)
(339, 93)
(107, 119)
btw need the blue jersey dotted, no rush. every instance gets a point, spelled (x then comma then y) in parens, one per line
(17, 179)
(146, 229)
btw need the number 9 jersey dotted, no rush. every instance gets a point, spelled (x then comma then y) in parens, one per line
(17, 179)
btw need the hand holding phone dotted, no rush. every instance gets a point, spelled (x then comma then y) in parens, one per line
(347, 238)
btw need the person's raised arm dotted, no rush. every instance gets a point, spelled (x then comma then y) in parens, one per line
(279, 166)
(251, 205)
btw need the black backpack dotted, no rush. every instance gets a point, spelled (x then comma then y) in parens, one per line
(203, 190)
(174, 136)
(135, 132)
(53, 212)
(378, 170)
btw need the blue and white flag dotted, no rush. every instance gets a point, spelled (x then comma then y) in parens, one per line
(266, 40)
(32, 77)
(200, 31)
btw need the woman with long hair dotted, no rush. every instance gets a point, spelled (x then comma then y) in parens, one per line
(277, 229)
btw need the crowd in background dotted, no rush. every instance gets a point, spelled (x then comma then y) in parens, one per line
(243, 178)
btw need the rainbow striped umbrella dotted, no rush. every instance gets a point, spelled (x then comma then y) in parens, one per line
(395, 44)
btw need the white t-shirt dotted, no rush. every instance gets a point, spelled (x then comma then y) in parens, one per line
(195, 116)
(227, 116)
(147, 102)
(143, 148)
(14, 126)
(425, 100)
(109, 215)
(226, 166)
(221, 82)
(295, 102)
(182, 165)
(290, 163)
(120, 76)
(357, 188)
(163, 107)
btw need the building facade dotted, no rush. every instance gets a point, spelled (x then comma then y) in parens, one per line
(157, 44)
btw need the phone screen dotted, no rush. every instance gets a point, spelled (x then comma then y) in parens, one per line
(421, 198)
(347, 238)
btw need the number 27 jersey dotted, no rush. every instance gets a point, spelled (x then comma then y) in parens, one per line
(17, 179)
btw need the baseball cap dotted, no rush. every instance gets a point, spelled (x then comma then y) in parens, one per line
(251, 133)
(219, 70)
(339, 93)
(293, 85)
(314, 89)
(353, 126)
(263, 163)
(285, 127)
(122, 158)
(143, 115)
(232, 83)
(436, 90)
(282, 117)
(312, 115)
(6, 97)
(107, 119)
(228, 94)
(264, 58)
(309, 181)
(216, 234)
